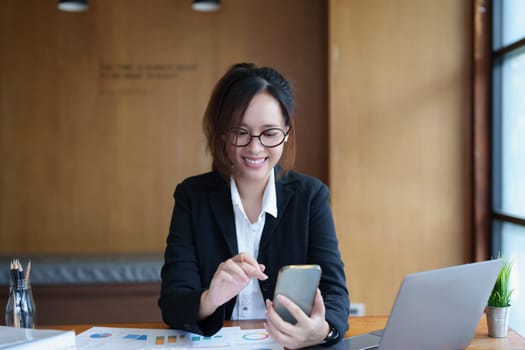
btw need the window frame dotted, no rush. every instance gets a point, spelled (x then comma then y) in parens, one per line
(486, 132)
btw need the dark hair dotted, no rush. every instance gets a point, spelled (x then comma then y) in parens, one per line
(230, 99)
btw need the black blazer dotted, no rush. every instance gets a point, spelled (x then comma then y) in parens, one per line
(202, 235)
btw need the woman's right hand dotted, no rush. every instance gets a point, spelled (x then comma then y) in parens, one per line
(230, 278)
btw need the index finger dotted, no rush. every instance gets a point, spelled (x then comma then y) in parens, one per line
(250, 266)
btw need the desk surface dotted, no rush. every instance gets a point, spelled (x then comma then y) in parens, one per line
(358, 325)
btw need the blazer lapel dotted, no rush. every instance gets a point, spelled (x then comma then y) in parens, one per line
(221, 205)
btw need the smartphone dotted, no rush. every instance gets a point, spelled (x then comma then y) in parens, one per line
(299, 283)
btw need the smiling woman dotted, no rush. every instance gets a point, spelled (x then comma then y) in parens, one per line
(233, 228)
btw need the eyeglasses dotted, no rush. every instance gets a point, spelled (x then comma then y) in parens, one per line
(269, 138)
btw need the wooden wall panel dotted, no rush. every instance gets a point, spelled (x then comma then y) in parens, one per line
(100, 112)
(399, 140)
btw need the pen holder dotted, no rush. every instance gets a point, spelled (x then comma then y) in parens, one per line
(20, 310)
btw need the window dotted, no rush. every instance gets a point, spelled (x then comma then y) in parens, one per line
(508, 145)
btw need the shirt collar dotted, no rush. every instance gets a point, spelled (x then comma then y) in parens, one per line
(269, 201)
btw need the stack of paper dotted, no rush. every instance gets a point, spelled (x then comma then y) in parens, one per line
(36, 339)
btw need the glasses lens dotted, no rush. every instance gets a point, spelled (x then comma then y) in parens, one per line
(272, 137)
(239, 136)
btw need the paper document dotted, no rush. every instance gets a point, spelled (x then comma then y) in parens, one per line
(35, 339)
(111, 338)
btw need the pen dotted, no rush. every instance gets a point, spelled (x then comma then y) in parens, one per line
(28, 270)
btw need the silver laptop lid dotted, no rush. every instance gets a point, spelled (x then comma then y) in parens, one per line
(440, 309)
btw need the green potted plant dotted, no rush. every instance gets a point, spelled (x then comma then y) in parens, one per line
(498, 306)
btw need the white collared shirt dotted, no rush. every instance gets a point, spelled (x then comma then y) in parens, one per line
(250, 301)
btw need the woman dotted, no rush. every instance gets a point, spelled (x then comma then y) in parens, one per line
(233, 228)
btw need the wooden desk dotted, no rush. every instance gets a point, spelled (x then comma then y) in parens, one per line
(358, 325)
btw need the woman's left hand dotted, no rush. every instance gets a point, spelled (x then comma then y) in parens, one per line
(307, 331)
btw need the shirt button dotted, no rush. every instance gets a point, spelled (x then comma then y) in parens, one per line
(245, 309)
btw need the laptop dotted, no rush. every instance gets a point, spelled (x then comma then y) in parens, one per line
(437, 309)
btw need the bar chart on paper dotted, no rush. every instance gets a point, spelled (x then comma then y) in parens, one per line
(102, 338)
